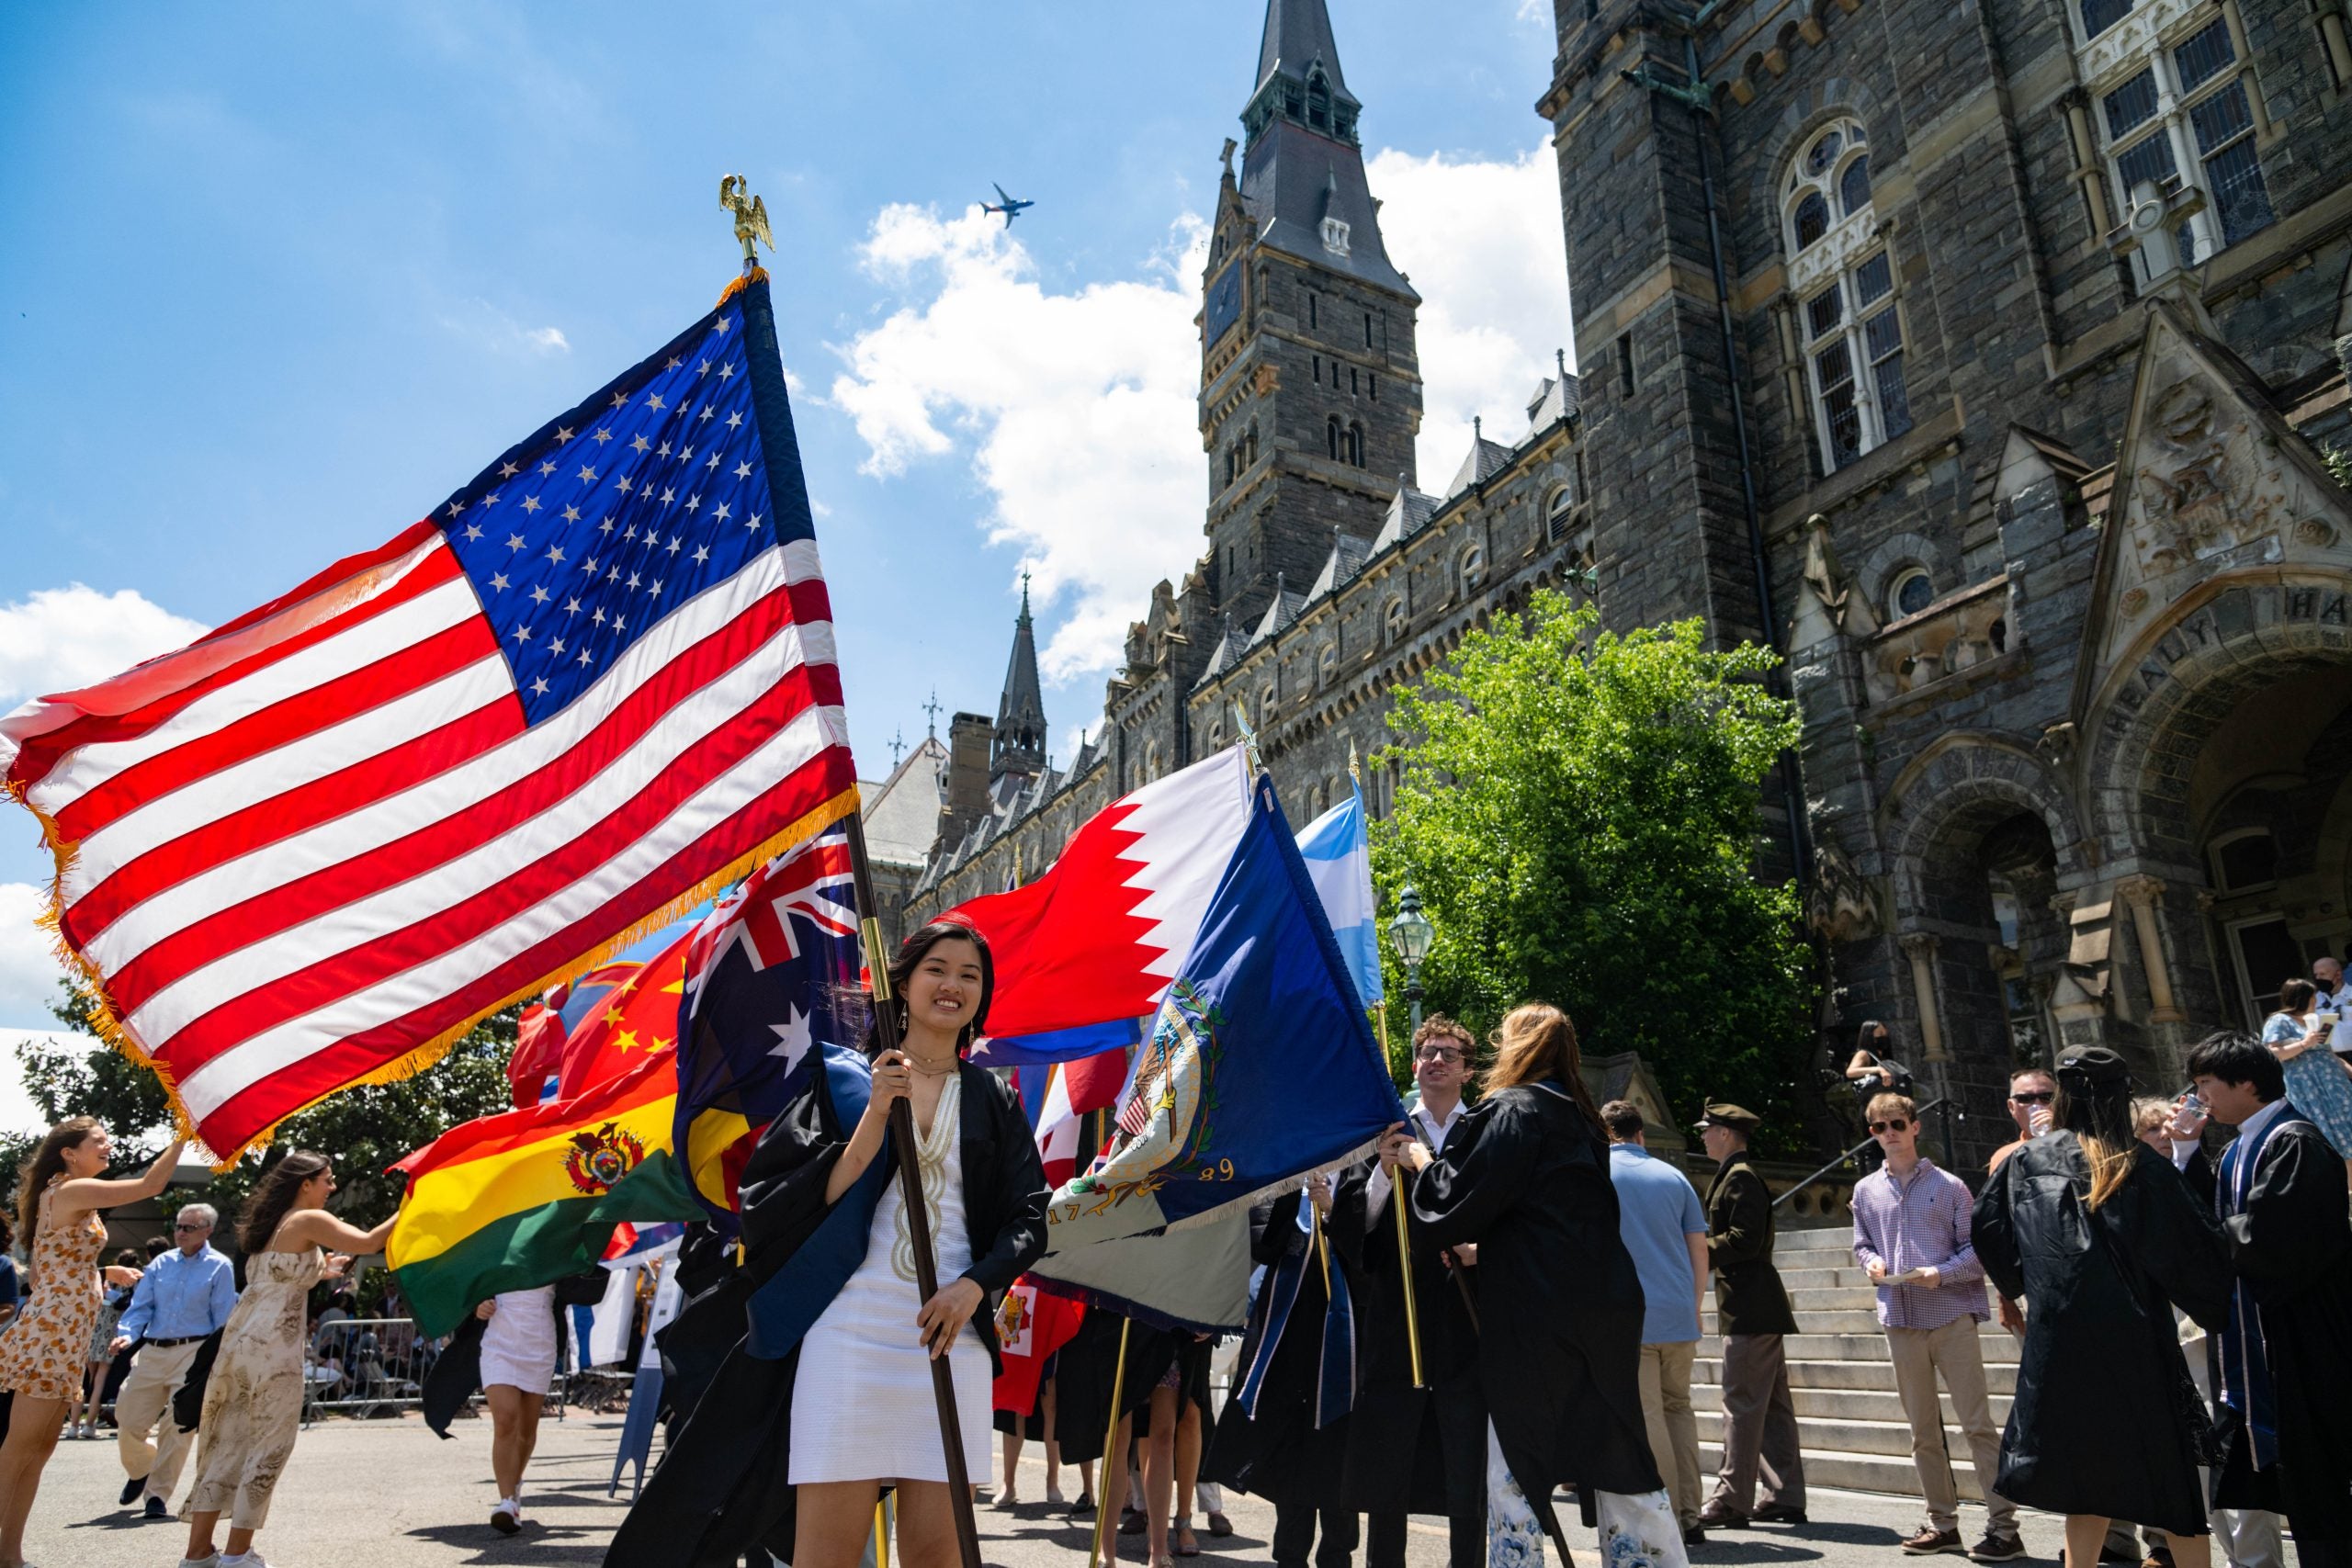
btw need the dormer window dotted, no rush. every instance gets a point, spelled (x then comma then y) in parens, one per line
(1335, 236)
(1319, 102)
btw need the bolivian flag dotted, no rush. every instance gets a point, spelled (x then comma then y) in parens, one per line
(526, 1197)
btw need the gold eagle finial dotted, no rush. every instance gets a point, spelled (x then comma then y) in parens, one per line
(750, 216)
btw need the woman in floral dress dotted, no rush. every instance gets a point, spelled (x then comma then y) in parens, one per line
(2318, 1080)
(59, 1193)
(252, 1404)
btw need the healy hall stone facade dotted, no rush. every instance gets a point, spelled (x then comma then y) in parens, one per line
(1988, 359)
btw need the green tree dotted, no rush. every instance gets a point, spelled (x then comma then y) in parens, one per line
(1578, 810)
(364, 1130)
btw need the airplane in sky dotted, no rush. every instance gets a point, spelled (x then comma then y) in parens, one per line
(1011, 208)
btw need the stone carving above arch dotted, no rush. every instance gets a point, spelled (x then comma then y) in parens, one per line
(2211, 487)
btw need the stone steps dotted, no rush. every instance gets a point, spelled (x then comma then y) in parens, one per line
(1850, 1419)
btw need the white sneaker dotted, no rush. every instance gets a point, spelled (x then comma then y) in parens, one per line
(243, 1559)
(1054, 1493)
(507, 1517)
(211, 1562)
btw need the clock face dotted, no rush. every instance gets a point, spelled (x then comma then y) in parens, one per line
(1224, 304)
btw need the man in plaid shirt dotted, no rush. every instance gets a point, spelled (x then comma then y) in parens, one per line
(1911, 1235)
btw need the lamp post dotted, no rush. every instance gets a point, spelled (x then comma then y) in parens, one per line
(1413, 934)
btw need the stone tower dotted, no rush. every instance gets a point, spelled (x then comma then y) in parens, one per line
(1018, 744)
(1310, 383)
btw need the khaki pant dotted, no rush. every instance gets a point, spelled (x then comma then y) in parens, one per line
(1759, 1428)
(1952, 1351)
(1673, 1431)
(144, 1403)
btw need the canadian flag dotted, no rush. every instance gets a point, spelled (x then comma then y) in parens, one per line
(1097, 937)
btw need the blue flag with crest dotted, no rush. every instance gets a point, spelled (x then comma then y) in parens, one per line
(1258, 1070)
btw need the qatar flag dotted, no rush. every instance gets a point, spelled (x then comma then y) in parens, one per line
(1096, 939)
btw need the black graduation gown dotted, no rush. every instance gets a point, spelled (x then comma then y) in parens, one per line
(2292, 1248)
(1280, 1454)
(1525, 1176)
(720, 1488)
(2106, 1420)
(1396, 1459)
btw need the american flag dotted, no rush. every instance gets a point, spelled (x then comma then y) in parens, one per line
(597, 682)
(771, 973)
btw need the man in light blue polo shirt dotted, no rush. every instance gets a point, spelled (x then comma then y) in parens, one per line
(1665, 1227)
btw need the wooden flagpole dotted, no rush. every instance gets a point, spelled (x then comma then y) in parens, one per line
(1110, 1440)
(888, 1024)
(1399, 1201)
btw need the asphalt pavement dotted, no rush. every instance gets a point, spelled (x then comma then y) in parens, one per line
(388, 1494)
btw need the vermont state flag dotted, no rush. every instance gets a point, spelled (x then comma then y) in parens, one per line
(1259, 1069)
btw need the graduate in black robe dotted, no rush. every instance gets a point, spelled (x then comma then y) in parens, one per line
(1277, 1450)
(2101, 1237)
(1415, 1451)
(722, 1486)
(2286, 1353)
(1525, 1177)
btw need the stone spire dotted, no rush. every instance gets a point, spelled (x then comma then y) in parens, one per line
(1302, 166)
(1019, 743)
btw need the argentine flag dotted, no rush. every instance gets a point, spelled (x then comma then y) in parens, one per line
(1338, 862)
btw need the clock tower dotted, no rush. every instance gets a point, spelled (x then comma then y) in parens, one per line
(1310, 384)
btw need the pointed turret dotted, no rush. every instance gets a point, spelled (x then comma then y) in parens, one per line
(1302, 168)
(1019, 744)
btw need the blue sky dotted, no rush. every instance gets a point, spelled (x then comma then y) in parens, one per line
(278, 278)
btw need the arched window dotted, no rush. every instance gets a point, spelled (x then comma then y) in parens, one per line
(2176, 103)
(1557, 507)
(1327, 662)
(1319, 102)
(1473, 570)
(1331, 437)
(1266, 703)
(1912, 591)
(1250, 447)
(2244, 859)
(1392, 621)
(1828, 183)
(1217, 736)
(1842, 273)
(1355, 445)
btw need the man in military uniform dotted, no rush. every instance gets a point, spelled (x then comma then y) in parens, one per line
(1752, 1313)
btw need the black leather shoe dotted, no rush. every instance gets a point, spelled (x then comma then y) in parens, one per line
(1696, 1535)
(132, 1489)
(155, 1509)
(1778, 1514)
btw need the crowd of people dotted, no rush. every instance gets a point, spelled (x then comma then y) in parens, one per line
(2184, 1303)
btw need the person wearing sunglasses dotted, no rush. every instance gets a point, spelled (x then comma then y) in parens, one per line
(1911, 1237)
(182, 1299)
(2032, 1094)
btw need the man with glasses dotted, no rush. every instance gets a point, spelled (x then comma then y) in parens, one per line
(1911, 1237)
(183, 1299)
(1409, 1451)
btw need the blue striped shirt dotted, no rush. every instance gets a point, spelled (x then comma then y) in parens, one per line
(1920, 1224)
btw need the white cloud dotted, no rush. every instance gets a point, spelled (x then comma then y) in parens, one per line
(18, 1114)
(1482, 242)
(1078, 408)
(56, 640)
(492, 329)
(29, 966)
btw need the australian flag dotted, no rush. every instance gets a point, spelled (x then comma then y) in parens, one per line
(1258, 1070)
(772, 974)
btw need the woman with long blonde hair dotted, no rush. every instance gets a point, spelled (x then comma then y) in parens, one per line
(1525, 1179)
(59, 1192)
(2098, 1235)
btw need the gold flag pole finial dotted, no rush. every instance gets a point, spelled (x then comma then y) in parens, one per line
(751, 218)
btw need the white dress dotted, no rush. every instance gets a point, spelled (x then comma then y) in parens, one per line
(862, 1406)
(518, 1342)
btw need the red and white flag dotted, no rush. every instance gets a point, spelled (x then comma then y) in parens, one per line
(595, 684)
(1099, 936)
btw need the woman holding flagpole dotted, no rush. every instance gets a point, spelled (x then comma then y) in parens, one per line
(1525, 1177)
(829, 1398)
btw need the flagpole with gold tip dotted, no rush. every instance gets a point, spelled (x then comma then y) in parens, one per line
(750, 215)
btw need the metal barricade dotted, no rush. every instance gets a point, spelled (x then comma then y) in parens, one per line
(374, 1368)
(366, 1368)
